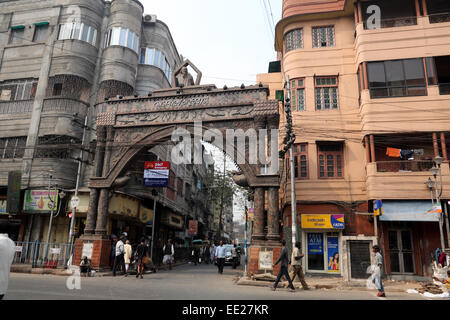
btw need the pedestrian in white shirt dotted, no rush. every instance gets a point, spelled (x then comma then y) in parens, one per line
(119, 259)
(127, 255)
(7, 251)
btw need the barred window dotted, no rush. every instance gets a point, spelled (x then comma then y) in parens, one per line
(301, 170)
(323, 37)
(294, 40)
(327, 96)
(57, 147)
(330, 160)
(298, 94)
(12, 148)
(18, 89)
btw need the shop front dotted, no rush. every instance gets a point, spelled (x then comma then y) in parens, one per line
(321, 241)
(409, 236)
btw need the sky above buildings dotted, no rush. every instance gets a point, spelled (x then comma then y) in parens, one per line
(229, 41)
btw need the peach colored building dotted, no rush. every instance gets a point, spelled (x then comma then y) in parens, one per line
(371, 104)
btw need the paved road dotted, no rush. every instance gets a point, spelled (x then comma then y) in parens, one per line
(186, 282)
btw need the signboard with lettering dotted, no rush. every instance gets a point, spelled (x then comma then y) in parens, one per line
(87, 250)
(156, 173)
(2, 206)
(323, 221)
(38, 201)
(193, 228)
(265, 260)
(333, 254)
(146, 215)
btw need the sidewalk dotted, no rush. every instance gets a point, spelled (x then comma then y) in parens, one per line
(327, 283)
(27, 268)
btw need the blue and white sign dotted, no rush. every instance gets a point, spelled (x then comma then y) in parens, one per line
(156, 174)
(315, 243)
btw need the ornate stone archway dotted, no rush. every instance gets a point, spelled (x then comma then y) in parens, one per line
(127, 125)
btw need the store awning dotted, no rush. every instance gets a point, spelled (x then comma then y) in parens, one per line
(408, 211)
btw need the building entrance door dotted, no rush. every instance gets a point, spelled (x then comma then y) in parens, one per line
(401, 251)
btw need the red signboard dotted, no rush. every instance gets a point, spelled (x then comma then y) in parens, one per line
(157, 165)
(193, 228)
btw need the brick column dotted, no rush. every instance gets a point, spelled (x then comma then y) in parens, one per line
(272, 215)
(444, 147)
(98, 170)
(258, 225)
(435, 145)
(103, 202)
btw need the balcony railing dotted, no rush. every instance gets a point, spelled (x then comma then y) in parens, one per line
(444, 88)
(405, 166)
(395, 22)
(16, 107)
(439, 17)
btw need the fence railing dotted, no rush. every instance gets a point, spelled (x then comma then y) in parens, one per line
(439, 17)
(395, 22)
(405, 166)
(444, 88)
(37, 254)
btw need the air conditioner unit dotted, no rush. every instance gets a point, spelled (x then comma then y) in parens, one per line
(150, 18)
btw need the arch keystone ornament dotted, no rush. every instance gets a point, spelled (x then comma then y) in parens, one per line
(128, 126)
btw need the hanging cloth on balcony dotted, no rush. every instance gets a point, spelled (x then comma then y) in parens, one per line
(393, 153)
(407, 154)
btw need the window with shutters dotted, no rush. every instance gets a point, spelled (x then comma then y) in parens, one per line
(331, 161)
(18, 90)
(301, 170)
(293, 40)
(327, 96)
(298, 94)
(323, 37)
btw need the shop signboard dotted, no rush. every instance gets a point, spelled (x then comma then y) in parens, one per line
(323, 221)
(39, 201)
(333, 254)
(193, 228)
(251, 214)
(123, 205)
(2, 206)
(156, 173)
(146, 215)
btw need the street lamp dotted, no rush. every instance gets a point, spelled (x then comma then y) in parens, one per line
(435, 170)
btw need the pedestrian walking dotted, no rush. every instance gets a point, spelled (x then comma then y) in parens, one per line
(234, 255)
(296, 262)
(141, 256)
(195, 255)
(207, 256)
(128, 251)
(169, 253)
(284, 259)
(119, 258)
(220, 256)
(112, 255)
(213, 253)
(7, 251)
(378, 261)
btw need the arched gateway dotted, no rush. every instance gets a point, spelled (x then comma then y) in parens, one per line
(126, 125)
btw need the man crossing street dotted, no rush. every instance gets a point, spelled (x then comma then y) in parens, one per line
(220, 256)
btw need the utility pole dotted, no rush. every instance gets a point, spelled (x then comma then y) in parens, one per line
(52, 206)
(221, 197)
(77, 185)
(152, 245)
(293, 198)
(245, 237)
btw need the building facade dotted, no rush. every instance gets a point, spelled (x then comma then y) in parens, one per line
(58, 59)
(369, 106)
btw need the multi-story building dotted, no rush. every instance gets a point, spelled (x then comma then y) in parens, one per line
(58, 59)
(369, 101)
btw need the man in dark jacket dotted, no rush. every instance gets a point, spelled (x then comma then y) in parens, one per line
(284, 258)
